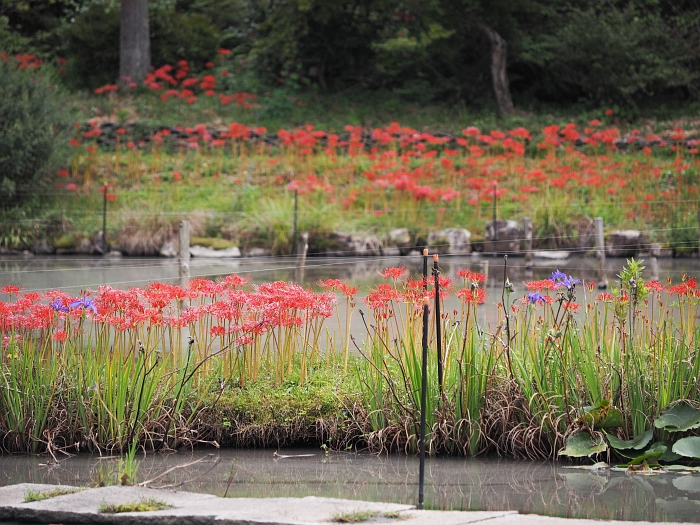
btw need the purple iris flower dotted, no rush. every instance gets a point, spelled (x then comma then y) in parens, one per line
(535, 297)
(561, 279)
(58, 306)
(88, 303)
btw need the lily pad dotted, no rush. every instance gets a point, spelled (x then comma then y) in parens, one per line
(602, 416)
(638, 443)
(682, 468)
(679, 418)
(583, 445)
(688, 447)
(601, 465)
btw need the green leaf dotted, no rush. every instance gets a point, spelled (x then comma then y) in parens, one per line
(638, 443)
(679, 418)
(602, 416)
(656, 451)
(669, 456)
(688, 447)
(583, 445)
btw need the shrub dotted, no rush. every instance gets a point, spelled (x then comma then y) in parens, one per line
(30, 123)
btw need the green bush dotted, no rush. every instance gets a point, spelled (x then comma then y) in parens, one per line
(31, 123)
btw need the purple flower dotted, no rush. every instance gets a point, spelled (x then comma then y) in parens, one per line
(58, 306)
(535, 297)
(88, 303)
(561, 279)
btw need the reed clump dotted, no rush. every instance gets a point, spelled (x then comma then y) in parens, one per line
(225, 363)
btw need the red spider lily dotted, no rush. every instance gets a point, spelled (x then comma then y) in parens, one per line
(538, 286)
(470, 276)
(472, 296)
(393, 273)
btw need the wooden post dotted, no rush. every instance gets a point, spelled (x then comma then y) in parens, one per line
(527, 226)
(485, 271)
(301, 255)
(654, 268)
(600, 252)
(184, 259)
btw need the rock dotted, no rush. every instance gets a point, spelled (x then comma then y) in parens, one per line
(399, 238)
(346, 244)
(201, 251)
(259, 252)
(552, 255)
(113, 254)
(453, 241)
(507, 235)
(624, 243)
(42, 247)
(170, 248)
(84, 248)
(391, 251)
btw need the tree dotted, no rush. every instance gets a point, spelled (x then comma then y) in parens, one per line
(134, 42)
(499, 71)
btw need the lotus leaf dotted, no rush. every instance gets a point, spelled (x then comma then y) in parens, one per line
(601, 465)
(583, 445)
(638, 443)
(688, 447)
(679, 418)
(654, 452)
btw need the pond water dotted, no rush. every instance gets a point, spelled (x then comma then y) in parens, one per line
(538, 487)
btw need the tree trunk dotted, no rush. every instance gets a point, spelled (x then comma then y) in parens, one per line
(499, 74)
(134, 42)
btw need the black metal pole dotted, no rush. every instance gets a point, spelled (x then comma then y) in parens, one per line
(438, 321)
(104, 220)
(424, 384)
(423, 403)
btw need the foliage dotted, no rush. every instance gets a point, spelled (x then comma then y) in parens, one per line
(92, 43)
(31, 122)
(611, 55)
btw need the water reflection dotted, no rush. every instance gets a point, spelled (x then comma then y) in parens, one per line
(451, 483)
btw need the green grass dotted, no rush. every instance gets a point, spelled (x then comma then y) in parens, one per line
(359, 516)
(146, 505)
(32, 495)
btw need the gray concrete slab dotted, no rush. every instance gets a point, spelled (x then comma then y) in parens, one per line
(203, 509)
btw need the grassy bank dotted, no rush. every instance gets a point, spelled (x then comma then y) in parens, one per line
(239, 184)
(220, 362)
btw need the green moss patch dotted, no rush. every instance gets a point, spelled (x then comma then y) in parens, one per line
(32, 495)
(146, 505)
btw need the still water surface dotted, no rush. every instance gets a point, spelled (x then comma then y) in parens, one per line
(451, 483)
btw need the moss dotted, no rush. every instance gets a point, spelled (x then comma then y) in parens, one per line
(215, 243)
(147, 505)
(66, 241)
(32, 495)
(367, 515)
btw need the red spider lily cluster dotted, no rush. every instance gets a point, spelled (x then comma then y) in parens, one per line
(177, 84)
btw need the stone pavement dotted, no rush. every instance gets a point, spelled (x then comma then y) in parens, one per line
(203, 509)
